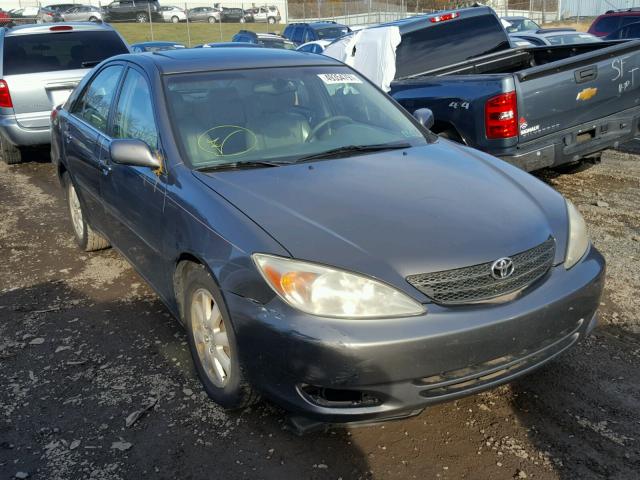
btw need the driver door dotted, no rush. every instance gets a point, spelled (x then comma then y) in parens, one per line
(133, 196)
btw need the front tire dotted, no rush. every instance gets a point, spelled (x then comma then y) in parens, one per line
(212, 341)
(211, 19)
(86, 238)
(11, 154)
(142, 18)
(271, 20)
(93, 19)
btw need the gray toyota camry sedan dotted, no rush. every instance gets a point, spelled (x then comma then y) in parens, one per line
(321, 247)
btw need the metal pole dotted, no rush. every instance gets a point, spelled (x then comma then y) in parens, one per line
(150, 20)
(186, 11)
(369, 13)
(304, 13)
(220, 25)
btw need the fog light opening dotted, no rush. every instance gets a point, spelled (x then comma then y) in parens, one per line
(338, 398)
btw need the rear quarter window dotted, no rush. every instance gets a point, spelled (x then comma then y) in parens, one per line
(47, 52)
(607, 24)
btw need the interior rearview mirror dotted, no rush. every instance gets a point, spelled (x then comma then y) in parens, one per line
(133, 152)
(424, 117)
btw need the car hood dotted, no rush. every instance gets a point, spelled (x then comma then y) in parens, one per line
(394, 214)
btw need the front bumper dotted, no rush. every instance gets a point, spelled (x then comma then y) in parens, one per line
(576, 143)
(21, 136)
(361, 370)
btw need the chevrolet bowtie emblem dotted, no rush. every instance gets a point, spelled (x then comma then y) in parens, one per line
(587, 94)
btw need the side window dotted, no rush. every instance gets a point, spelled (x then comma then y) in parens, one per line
(134, 112)
(93, 105)
(308, 35)
(607, 24)
(298, 34)
(627, 20)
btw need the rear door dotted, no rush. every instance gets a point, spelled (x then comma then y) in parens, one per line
(583, 89)
(42, 69)
(84, 132)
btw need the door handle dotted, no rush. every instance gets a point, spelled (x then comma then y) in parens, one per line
(586, 74)
(105, 169)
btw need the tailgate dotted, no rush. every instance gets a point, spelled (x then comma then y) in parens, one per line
(34, 95)
(578, 90)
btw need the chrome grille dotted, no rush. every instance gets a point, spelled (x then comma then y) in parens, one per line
(476, 284)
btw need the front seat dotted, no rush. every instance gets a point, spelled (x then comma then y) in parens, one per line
(274, 124)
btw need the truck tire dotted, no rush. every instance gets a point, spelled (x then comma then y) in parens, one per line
(212, 341)
(10, 153)
(86, 238)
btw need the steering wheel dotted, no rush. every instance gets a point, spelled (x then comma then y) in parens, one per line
(324, 123)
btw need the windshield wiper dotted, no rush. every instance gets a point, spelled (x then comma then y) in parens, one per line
(354, 149)
(241, 165)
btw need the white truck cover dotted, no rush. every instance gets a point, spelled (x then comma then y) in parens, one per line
(371, 51)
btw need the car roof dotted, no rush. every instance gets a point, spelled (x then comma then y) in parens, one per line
(516, 17)
(221, 59)
(630, 12)
(35, 28)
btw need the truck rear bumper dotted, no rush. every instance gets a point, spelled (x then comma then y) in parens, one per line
(576, 143)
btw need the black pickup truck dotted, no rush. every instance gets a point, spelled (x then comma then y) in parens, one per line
(533, 107)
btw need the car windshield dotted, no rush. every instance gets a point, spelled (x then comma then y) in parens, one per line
(331, 32)
(572, 38)
(281, 115)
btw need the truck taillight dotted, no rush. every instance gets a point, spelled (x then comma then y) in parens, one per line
(501, 116)
(444, 18)
(5, 96)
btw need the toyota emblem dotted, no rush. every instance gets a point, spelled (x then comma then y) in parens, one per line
(502, 268)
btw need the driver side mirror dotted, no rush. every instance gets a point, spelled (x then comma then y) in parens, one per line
(424, 117)
(133, 152)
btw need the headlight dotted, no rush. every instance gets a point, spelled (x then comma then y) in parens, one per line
(578, 237)
(329, 292)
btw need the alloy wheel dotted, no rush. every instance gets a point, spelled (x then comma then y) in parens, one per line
(210, 337)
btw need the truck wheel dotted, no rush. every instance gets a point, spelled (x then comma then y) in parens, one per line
(142, 18)
(10, 153)
(212, 341)
(86, 238)
(174, 19)
(211, 19)
(271, 20)
(451, 134)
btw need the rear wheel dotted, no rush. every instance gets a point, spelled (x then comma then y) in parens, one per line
(271, 20)
(10, 153)
(93, 19)
(174, 19)
(86, 237)
(211, 19)
(142, 18)
(212, 341)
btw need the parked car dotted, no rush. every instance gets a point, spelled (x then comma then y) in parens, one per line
(532, 107)
(300, 33)
(141, 11)
(173, 14)
(82, 13)
(520, 24)
(46, 15)
(317, 46)
(204, 14)
(40, 66)
(268, 40)
(403, 300)
(233, 15)
(614, 20)
(227, 44)
(59, 7)
(266, 14)
(143, 47)
(625, 33)
(23, 16)
(555, 36)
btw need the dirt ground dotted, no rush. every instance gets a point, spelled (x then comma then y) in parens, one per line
(97, 382)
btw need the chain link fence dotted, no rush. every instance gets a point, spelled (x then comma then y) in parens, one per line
(202, 21)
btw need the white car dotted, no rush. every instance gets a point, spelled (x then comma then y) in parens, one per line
(268, 14)
(173, 14)
(317, 46)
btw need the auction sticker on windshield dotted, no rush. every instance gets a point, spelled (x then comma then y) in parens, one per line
(335, 78)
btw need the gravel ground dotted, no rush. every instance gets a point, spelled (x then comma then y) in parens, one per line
(97, 381)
